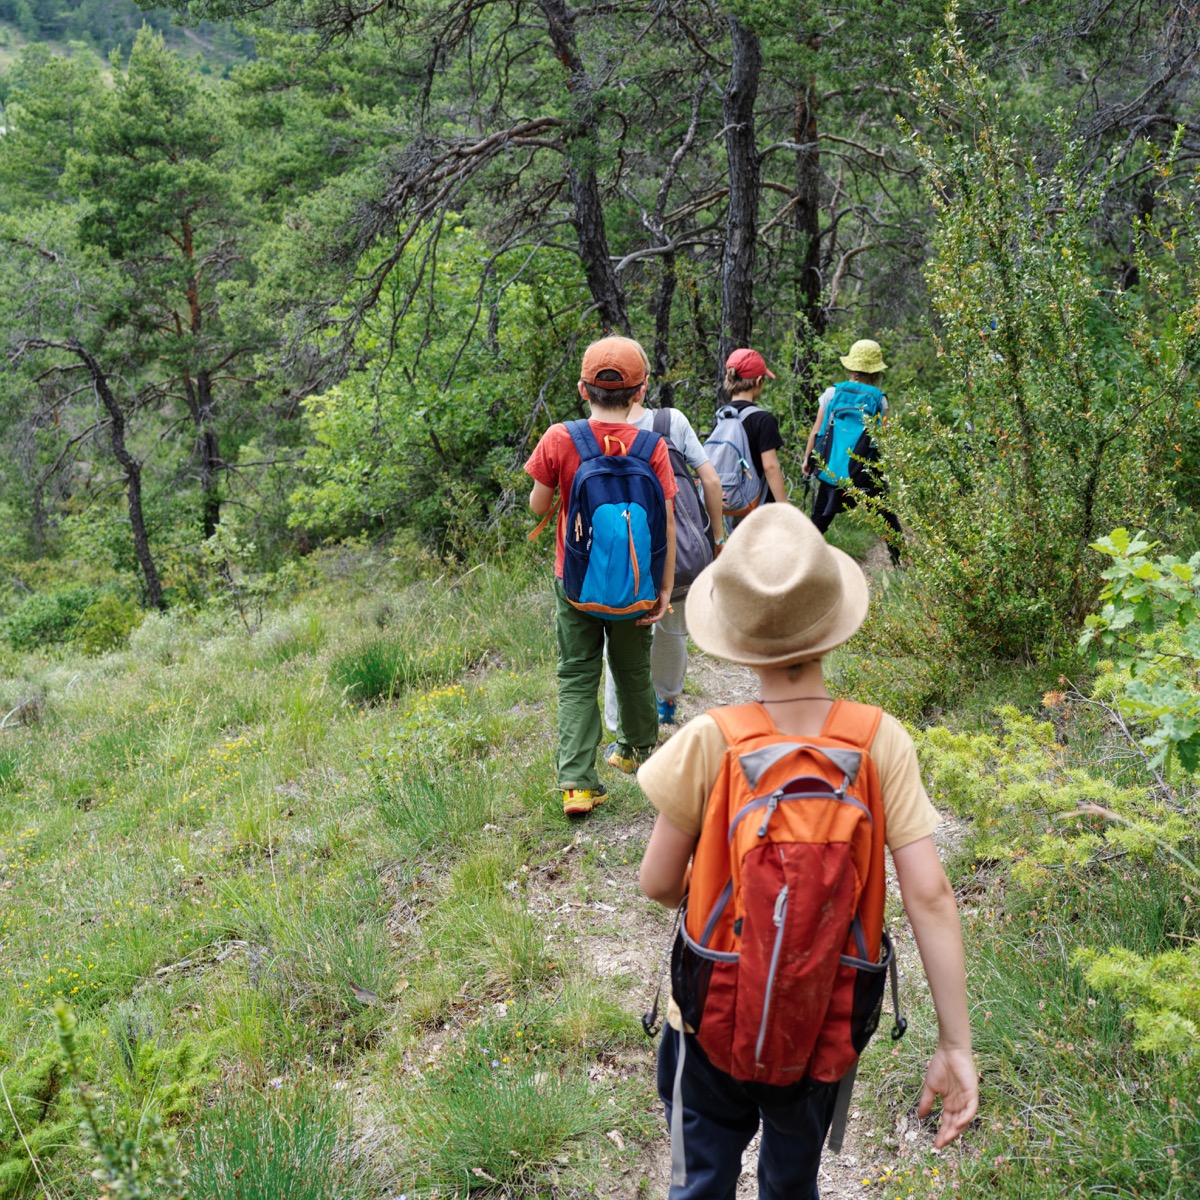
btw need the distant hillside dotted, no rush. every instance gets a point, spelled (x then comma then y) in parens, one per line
(105, 24)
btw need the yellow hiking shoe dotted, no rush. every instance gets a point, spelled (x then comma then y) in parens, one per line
(577, 802)
(624, 758)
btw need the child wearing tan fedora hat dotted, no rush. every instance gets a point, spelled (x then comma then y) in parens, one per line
(780, 614)
(854, 404)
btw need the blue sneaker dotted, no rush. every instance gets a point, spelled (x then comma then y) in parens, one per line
(666, 712)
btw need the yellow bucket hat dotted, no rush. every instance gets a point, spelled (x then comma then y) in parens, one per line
(864, 356)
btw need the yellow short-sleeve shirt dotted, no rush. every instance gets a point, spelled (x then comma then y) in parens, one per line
(679, 776)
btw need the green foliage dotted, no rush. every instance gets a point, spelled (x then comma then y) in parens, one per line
(49, 619)
(1060, 384)
(137, 1164)
(286, 1144)
(41, 1120)
(432, 442)
(107, 623)
(1149, 624)
(45, 114)
(1014, 782)
(1163, 990)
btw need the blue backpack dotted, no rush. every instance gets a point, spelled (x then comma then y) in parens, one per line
(844, 441)
(616, 533)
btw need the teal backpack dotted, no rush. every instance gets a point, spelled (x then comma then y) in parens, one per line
(844, 442)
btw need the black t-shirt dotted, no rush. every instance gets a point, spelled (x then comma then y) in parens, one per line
(762, 432)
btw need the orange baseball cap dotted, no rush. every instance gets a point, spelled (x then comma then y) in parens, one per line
(749, 364)
(620, 354)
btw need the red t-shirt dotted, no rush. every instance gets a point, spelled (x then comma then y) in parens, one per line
(555, 460)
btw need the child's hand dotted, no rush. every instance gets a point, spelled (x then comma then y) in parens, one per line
(658, 611)
(952, 1076)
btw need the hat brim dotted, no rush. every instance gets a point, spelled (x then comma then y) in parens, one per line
(845, 361)
(712, 635)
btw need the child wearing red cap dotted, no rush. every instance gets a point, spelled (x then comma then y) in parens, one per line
(745, 374)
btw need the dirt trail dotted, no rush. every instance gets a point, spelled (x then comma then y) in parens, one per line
(622, 938)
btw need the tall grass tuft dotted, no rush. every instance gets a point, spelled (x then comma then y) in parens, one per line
(380, 668)
(436, 811)
(496, 1112)
(282, 1146)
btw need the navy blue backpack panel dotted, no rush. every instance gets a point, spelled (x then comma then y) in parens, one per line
(616, 534)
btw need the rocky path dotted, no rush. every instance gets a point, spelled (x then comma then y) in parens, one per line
(622, 938)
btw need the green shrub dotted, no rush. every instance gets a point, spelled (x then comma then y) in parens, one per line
(106, 624)
(1060, 386)
(42, 1119)
(49, 619)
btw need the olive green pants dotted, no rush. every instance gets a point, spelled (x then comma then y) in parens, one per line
(580, 662)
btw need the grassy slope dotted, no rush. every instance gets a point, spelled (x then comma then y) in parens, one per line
(286, 915)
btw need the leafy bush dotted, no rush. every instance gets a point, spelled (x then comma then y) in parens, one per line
(41, 1121)
(429, 440)
(1061, 385)
(106, 624)
(1149, 623)
(49, 619)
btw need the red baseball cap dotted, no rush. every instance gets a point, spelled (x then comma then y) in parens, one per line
(620, 354)
(749, 364)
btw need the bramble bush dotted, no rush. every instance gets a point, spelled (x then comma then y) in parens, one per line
(1062, 385)
(1149, 625)
(48, 618)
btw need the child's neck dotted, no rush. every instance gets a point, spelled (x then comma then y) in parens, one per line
(795, 697)
(612, 416)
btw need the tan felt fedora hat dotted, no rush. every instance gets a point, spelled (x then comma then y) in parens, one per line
(864, 356)
(778, 594)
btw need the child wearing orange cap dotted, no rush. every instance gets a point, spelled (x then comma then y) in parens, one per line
(612, 377)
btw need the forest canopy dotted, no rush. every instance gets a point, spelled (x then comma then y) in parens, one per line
(339, 286)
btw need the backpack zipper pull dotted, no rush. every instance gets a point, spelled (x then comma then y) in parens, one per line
(772, 805)
(578, 527)
(780, 906)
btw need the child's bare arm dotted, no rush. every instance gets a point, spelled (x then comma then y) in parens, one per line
(773, 473)
(663, 874)
(541, 499)
(932, 910)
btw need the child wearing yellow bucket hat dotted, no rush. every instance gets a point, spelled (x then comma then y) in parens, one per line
(753, 1026)
(847, 414)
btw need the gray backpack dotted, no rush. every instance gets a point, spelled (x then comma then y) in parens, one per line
(728, 449)
(693, 533)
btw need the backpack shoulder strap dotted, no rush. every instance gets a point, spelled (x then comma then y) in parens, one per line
(584, 439)
(644, 444)
(662, 424)
(738, 722)
(743, 413)
(727, 412)
(853, 723)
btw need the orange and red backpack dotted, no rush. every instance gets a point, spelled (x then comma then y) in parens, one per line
(781, 959)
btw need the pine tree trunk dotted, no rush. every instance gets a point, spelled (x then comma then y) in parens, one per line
(582, 151)
(131, 468)
(741, 224)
